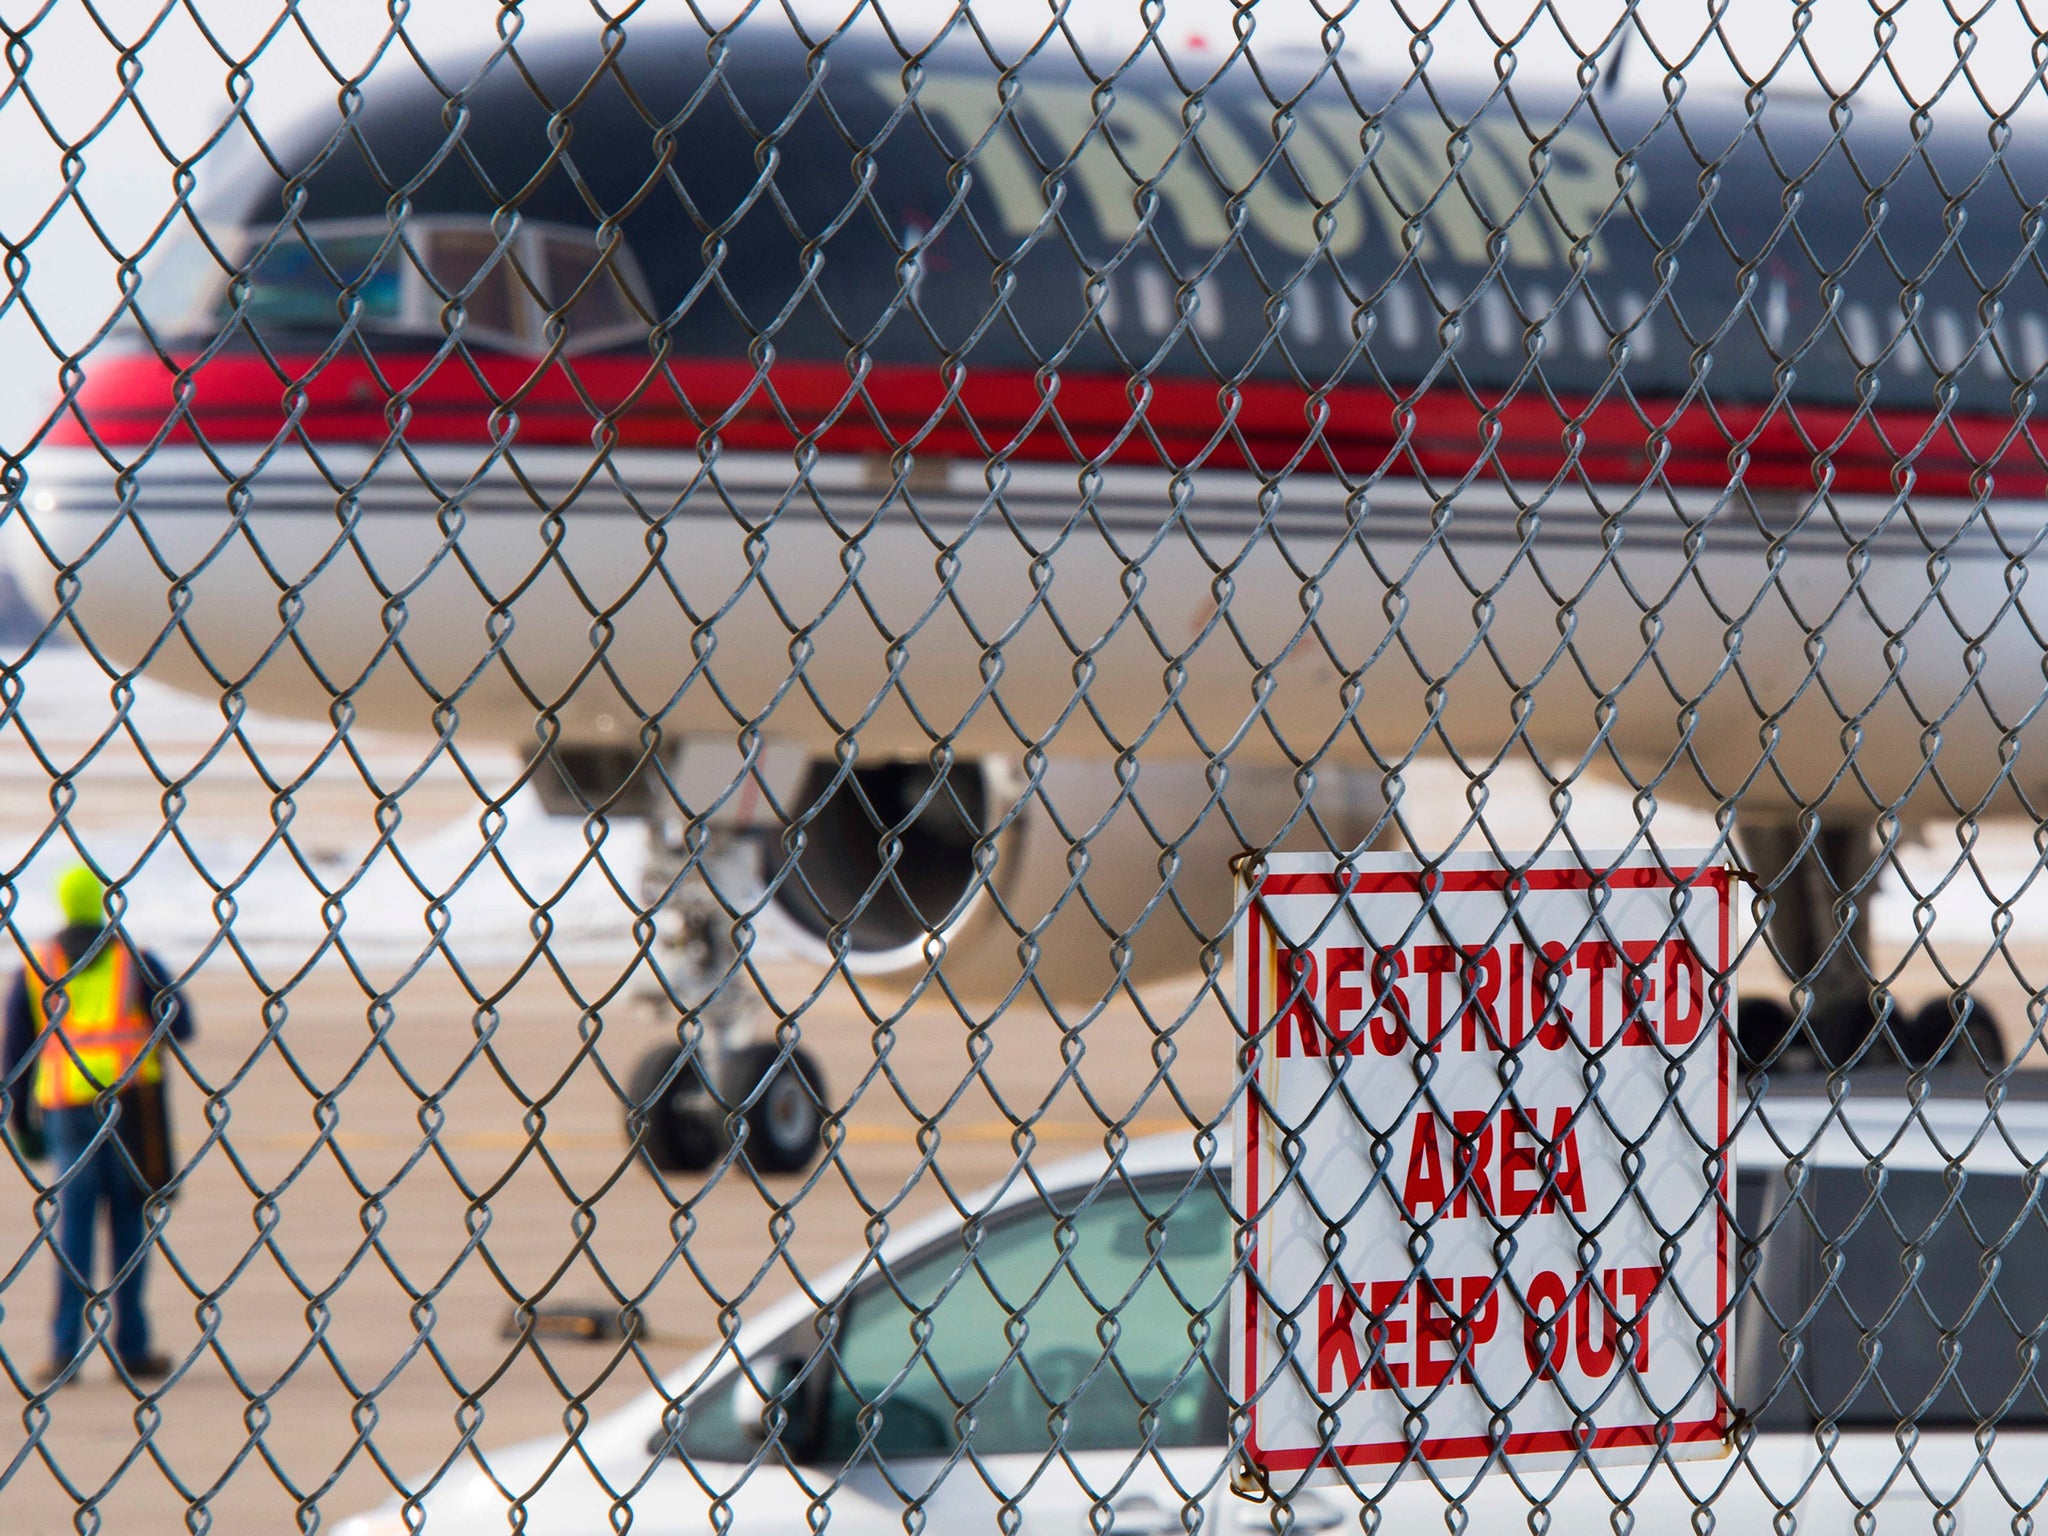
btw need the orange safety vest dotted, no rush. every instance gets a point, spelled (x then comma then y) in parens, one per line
(103, 1028)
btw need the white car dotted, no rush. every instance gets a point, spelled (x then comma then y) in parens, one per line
(1902, 1274)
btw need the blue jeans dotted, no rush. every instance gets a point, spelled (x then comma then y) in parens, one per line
(85, 1185)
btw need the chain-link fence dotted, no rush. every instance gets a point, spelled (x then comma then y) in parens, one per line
(922, 770)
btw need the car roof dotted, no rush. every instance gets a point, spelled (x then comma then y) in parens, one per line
(1897, 1121)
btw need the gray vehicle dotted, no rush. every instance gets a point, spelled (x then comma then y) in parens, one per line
(1056, 1366)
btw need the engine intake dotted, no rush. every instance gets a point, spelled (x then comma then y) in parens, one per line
(887, 855)
(1059, 885)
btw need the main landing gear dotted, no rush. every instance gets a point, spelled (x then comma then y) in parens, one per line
(1819, 932)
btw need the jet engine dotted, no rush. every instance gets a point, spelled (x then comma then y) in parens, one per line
(1068, 883)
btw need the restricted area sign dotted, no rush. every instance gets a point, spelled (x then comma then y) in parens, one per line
(1485, 1162)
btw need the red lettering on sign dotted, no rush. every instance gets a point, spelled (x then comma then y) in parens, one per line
(1518, 1148)
(1517, 998)
(1424, 1185)
(1469, 1157)
(1340, 961)
(1685, 993)
(1336, 1342)
(1506, 1162)
(1639, 991)
(1546, 1325)
(1366, 1338)
(1546, 997)
(1562, 1175)
(1596, 1324)
(1596, 958)
(1298, 986)
(1384, 1331)
(1434, 961)
(1482, 1008)
(1390, 1021)
(1479, 1315)
(1434, 1324)
(1639, 1283)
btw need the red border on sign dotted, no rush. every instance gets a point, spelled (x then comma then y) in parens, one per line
(1713, 877)
(1370, 1453)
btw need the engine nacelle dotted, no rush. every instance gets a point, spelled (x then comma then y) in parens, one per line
(1066, 885)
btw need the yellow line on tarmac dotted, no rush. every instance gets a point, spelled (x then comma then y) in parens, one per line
(858, 1133)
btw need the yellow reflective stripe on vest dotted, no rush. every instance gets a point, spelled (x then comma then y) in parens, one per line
(102, 1028)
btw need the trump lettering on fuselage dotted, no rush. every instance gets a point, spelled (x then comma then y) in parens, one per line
(1325, 178)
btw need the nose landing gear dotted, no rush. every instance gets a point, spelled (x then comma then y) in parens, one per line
(719, 1084)
(686, 1125)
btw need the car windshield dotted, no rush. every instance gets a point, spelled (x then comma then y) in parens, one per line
(522, 288)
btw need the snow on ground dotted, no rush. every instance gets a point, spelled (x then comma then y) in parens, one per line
(481, 878)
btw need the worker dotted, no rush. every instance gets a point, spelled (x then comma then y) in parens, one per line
(93, 1009)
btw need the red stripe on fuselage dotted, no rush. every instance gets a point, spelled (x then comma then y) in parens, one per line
(132, 401)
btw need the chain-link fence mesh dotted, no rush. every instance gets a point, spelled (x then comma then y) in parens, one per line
(681, 639)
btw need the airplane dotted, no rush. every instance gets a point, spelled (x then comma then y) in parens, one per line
(961, 510)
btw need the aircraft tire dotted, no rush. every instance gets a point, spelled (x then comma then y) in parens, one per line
(785, 1123)
(1761, 1025)
(684, 1133)
(1927, 1037)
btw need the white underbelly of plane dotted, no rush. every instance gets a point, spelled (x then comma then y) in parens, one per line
(1713, 645)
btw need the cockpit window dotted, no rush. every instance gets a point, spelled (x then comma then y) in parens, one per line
(298, 285)
(570, 275)
(514, 289)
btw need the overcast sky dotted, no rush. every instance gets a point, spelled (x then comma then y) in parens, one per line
(191, 71)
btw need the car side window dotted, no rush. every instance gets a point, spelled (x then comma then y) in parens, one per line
(1102, 1329)
(1933, 1298)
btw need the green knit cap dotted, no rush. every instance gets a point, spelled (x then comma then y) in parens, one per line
(81, 897)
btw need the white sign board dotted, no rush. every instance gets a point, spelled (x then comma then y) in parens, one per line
(1428, 1051)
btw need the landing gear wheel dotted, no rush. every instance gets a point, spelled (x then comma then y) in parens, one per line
(684, 1130)
(1761, 1027)
(1926, 1037)
(785, 1122)
(1984, 1034)
(1845, 1027)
